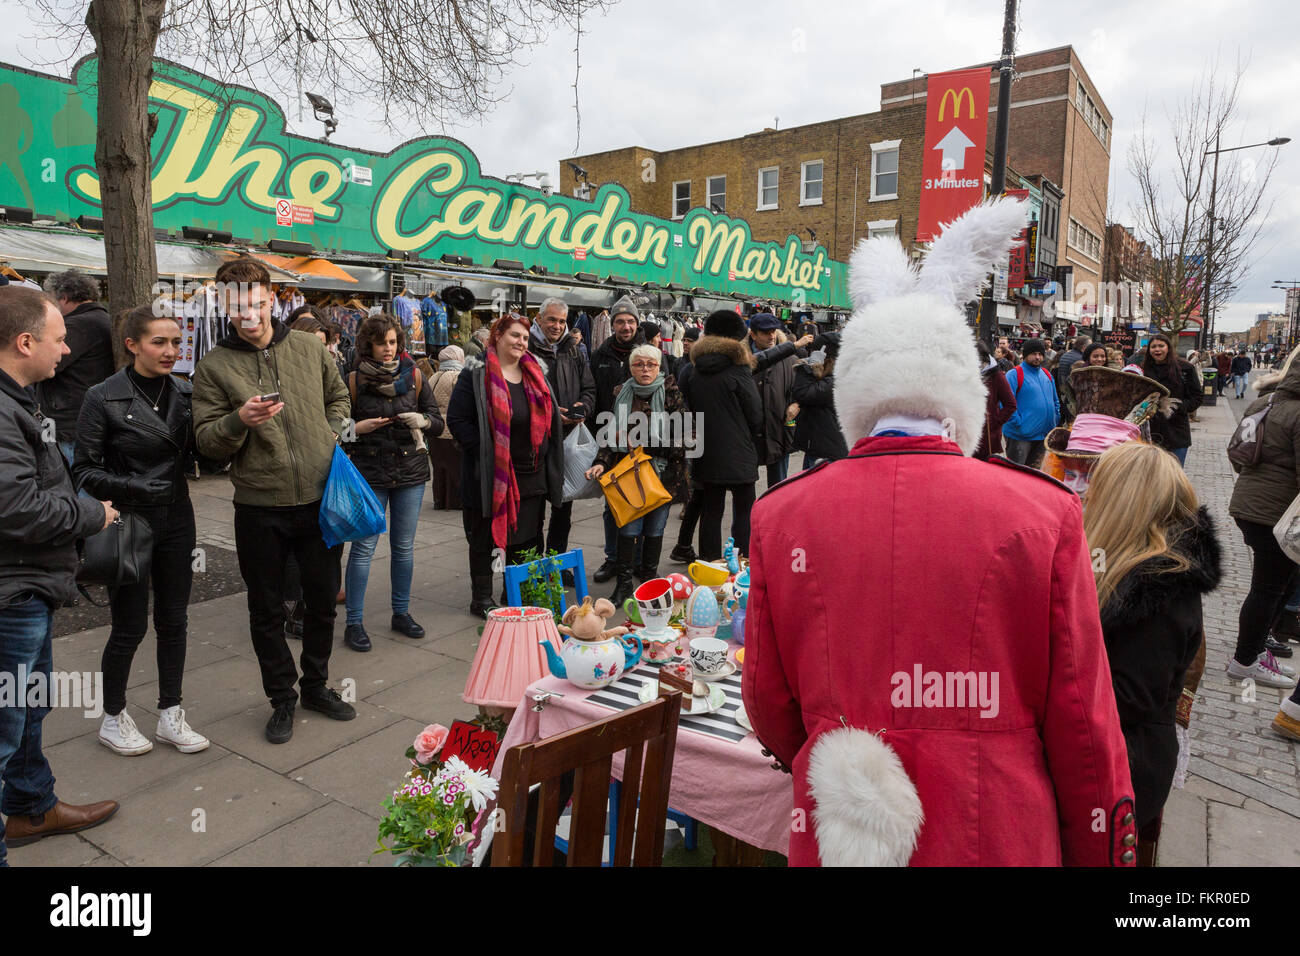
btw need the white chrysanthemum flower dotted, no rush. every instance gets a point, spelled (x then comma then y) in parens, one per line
(481, 787)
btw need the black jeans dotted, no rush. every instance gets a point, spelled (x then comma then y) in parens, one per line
(690, 516)
(1272, 578)
(714, 502)
(265, 537)
(171, 575)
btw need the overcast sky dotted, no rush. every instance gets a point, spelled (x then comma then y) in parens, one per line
(672, 73)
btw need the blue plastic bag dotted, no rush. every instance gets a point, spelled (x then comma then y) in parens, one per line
(349, 510)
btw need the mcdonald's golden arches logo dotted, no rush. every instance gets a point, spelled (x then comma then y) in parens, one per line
(957, 96)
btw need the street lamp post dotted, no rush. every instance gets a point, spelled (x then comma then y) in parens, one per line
(1293, 314)
(1207, 321)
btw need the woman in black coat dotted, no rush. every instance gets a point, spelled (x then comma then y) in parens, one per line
(1161, 555)
(1184, 383)
(817, 428)
(395, 417)
(721, 392)
(135, 441)
(507, 473)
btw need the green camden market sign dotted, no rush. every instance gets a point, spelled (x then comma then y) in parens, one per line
(222, 160)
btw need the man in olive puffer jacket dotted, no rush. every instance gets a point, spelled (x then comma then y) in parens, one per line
(281, 449)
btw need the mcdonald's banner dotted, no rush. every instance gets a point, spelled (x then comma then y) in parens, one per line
(952, 167)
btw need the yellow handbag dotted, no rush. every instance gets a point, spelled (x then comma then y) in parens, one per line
(632, 488)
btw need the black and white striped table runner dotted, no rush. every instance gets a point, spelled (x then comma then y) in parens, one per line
(622, 695)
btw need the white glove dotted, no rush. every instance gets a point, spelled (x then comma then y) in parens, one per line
(414, 420)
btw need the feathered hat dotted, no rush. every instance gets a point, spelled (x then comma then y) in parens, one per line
(1108, 392)
(907, 350)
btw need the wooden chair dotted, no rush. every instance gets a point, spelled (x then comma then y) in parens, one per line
(589, 751)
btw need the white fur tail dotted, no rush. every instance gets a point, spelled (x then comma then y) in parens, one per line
(867, 810)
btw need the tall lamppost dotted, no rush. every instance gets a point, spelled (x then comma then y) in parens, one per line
(1207, 322)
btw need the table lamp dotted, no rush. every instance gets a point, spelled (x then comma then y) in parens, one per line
(510, 656)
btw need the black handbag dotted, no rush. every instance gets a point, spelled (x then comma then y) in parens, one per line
(120, 554)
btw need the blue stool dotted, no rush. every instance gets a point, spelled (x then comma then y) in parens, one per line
(517, 574)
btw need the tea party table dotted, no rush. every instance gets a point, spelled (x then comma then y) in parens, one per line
(720, 776)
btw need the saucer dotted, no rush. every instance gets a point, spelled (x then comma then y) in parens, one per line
(726, 670)
(665, 636)
(716, 700)
(742, 718)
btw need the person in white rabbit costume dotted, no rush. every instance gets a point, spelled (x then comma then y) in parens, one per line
(923, 648)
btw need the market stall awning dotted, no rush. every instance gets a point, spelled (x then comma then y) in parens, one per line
(300, 266)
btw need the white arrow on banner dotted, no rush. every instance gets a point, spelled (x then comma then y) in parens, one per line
(954, 146)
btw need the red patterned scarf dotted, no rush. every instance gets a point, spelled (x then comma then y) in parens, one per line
(505, 490)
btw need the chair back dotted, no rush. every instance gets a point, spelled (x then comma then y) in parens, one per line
(517, 574)
(649, 735)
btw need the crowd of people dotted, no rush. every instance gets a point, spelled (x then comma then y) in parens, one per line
(84, 442)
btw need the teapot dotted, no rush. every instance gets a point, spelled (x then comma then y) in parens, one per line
(593, 664)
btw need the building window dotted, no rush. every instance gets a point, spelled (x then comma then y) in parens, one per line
(767, 182)
(810, 183)
(716, 188)
(681, 198)
(882, 227)
(884, 170)
(1085, 240)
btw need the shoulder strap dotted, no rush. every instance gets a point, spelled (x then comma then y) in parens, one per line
(419, 382)
(352, 386)
(1020, 379)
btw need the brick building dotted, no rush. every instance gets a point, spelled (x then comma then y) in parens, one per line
(1060, 129)
(836, 181)
(1126, 265)
(845, 179)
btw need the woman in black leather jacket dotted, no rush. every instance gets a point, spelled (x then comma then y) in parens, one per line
(135, 440)
(395, 417)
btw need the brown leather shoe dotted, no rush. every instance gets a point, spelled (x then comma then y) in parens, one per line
(21, 830)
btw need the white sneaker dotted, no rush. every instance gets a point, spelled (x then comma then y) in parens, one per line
(119, 734)
(1265, 671)
(172, 729)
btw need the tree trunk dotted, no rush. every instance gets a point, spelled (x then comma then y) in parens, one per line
(126, 35)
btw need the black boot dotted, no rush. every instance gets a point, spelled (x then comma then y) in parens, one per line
(1286, 627)
(481, 591)
(605, 571)
(650, 550)
(626, 582)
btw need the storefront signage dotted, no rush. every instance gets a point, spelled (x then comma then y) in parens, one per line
(221, 159)
(952, 165)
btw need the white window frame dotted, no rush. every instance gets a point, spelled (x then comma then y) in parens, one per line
(882, 227)
(687, 184)
(885, 146)
(708, 191)
(803, 183)
(769, 169)
(1084, 241)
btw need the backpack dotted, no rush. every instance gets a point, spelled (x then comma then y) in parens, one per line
(1247, 441)
(1020, 377)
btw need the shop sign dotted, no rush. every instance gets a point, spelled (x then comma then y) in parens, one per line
(952, 163)
(221, 158)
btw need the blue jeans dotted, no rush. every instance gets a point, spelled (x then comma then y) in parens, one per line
(1181, 455)
(778, 470)
(67, 447)
(612, 533)
(404, 507)
(651, 525)
(26, 633)
(1239, 383)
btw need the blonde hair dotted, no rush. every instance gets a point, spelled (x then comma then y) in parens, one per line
(1136, 494)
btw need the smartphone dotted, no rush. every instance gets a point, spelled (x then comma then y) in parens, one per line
(273, 397)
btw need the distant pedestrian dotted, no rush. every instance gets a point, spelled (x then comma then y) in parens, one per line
(1038, 407)
(1162, 363)
(90, 357)
(1240, 370)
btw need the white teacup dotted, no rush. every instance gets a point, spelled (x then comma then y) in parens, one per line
(708, 655)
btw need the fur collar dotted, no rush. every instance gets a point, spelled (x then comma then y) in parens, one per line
(1145, 592)
(715, 353)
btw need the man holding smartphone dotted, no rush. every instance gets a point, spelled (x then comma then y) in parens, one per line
(272, 401)
(573, 386)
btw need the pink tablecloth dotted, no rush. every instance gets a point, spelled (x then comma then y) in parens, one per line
(729, 786)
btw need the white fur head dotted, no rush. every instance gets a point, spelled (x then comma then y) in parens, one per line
(907, 348)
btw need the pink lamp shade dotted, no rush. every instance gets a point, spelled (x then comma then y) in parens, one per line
(509, 657)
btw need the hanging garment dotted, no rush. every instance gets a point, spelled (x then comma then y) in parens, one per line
(434, 314)
(406, 309)
(601, 329)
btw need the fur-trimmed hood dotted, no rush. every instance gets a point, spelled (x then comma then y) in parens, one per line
(714, 353)
(1145, 592)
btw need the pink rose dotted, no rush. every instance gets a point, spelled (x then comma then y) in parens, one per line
(430, 742)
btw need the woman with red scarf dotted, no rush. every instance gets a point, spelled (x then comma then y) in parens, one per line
(507, 424)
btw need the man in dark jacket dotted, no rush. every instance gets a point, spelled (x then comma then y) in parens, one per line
(41, 519)
(90, 352)
(817, 428)
(722, 391)
(573, 387)
(1240, 370)
(610, 371)
(1062, 375)
(774, 383)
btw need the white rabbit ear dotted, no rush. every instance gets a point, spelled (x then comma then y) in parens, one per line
(960, 260)
(878, 269)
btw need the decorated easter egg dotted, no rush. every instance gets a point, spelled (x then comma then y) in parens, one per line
(702, 609)
(682, 586)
